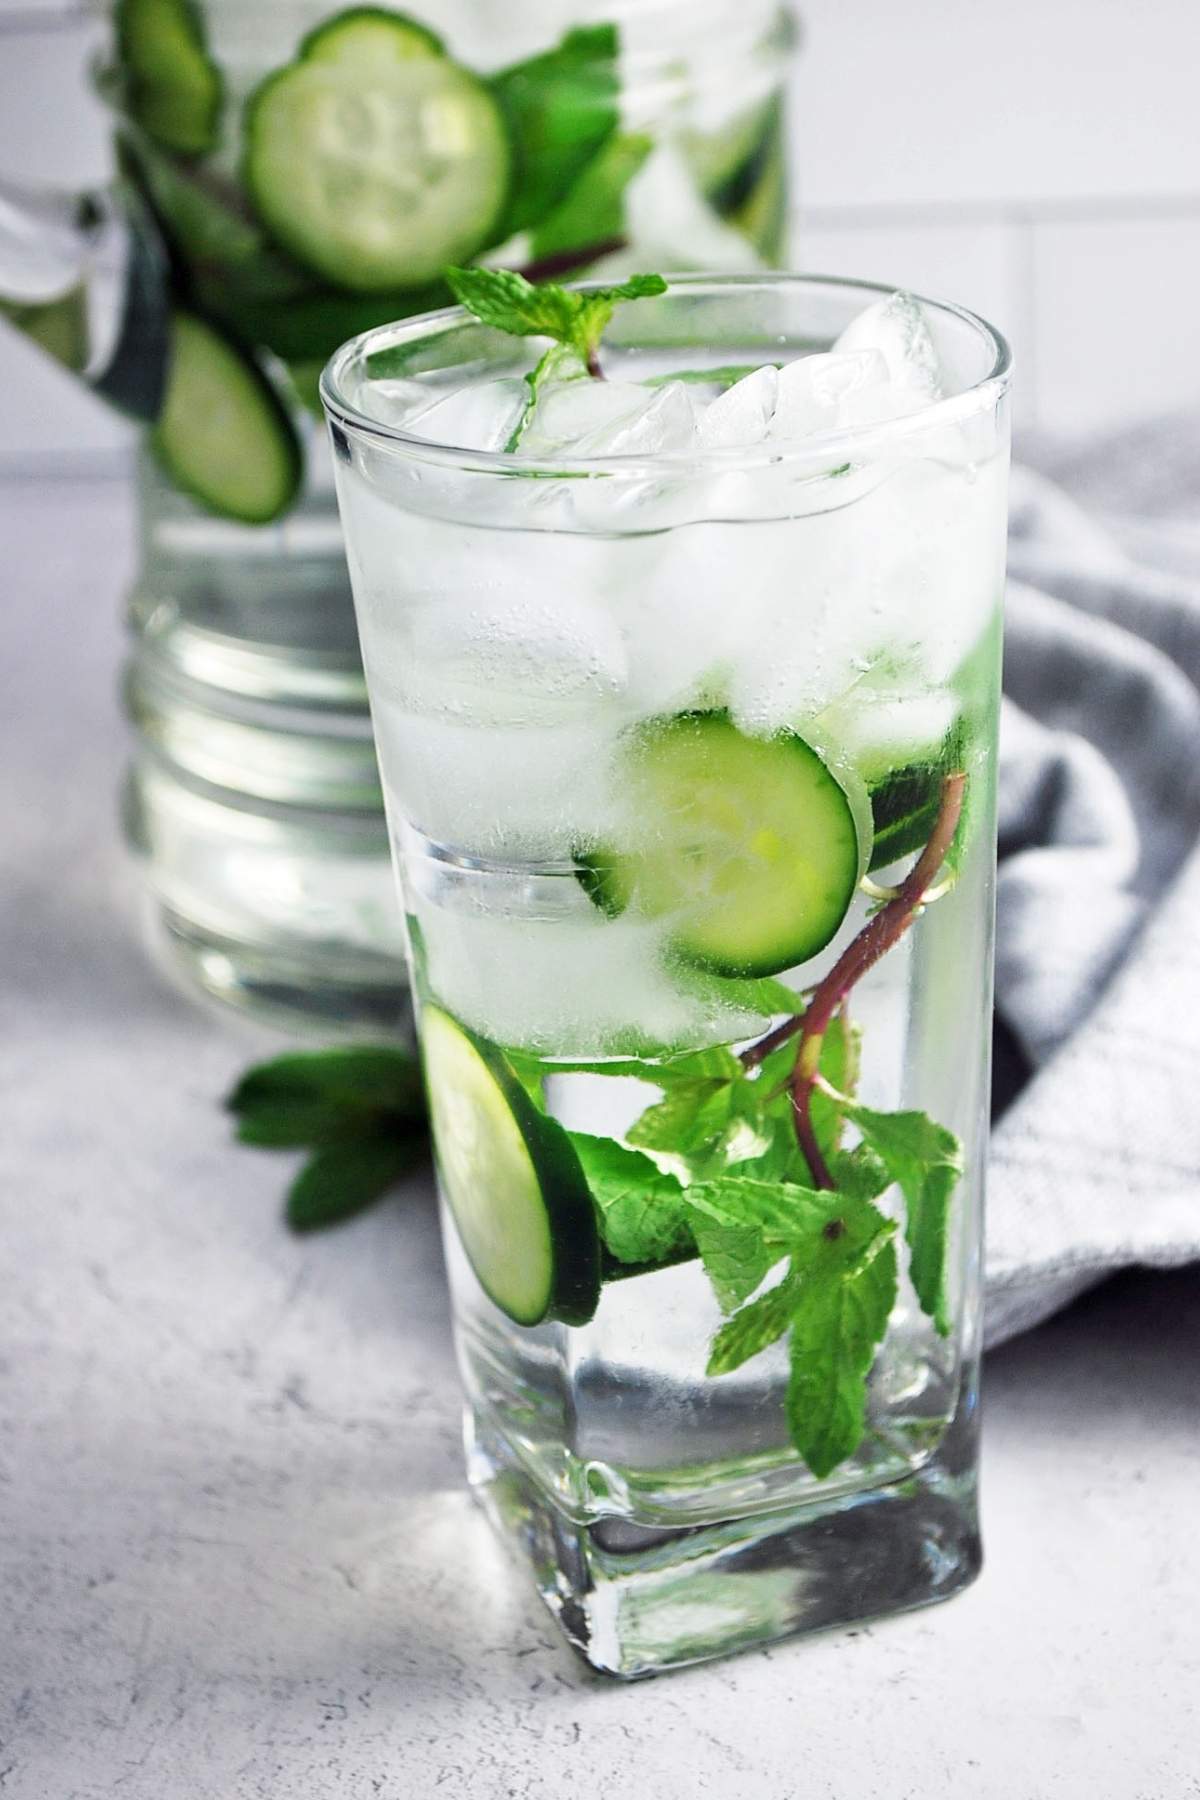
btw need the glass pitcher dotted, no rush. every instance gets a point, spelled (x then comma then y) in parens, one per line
(288, 176)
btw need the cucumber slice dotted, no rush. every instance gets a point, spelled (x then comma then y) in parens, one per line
(511, 1179)
(174, 88)
(368, 35)
(748, 845)
(222, 434)
(374, 160)
(903, 747)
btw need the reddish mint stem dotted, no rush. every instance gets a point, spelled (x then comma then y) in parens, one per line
(875, 939)
(562, 262)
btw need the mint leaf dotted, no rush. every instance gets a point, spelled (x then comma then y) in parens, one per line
(926, 1160)
(593, 211)
(345, 1179)
(744, 1226)
(506, 301)
(837, 1298)
(355, 1075)
(561, 106)
(807, 1222)
(642, 1215)
(296, 1124)
(780, 1212)
(755, 1327)
(361, 1107)
(688, 1122)
(531, 1072)
(859, 1172)
(735, 1259)
(837, 1325)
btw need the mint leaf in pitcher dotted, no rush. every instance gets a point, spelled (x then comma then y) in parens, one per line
(562, 107)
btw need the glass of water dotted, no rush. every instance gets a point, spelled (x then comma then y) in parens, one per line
(685, 686)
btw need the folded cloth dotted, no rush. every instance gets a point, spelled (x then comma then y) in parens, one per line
(1095, 1162)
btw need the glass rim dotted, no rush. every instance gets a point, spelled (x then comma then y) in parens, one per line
(816, 448)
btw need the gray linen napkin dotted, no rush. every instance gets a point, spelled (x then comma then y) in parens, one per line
(1096, 1162)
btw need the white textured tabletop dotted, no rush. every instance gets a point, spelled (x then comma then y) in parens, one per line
(238, 1556)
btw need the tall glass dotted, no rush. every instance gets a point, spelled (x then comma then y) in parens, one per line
(689, 763)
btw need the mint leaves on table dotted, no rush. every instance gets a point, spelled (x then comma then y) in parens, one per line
(358, 1109)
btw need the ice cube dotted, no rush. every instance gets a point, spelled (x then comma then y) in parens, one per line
(742, 414)
(573, 983)
(830, 392)
(505, 791)
(480, 416)
(517, 656)
(610, 418)
(940, 551)
(817, 622)
(898, 329)
(396, 400)
(882, 726)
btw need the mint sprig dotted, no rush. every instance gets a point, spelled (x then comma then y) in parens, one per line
(508, 302)
(835, 1301)
(746, 1155)
(358, 1109)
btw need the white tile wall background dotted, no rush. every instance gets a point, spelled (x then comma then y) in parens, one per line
(1040, 163)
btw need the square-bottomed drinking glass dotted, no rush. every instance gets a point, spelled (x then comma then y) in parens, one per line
(685, 687)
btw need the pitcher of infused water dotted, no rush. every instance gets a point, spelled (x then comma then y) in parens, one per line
(289, 176)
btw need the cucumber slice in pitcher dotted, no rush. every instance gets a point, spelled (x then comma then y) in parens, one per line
(222, 435)
(366, 34)
(173, 87)
(749, 845)
(373, 159)
(512, 1180)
